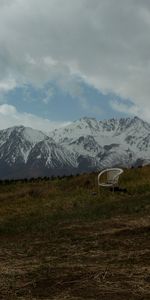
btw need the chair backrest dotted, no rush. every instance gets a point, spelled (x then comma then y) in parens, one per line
(112, 175)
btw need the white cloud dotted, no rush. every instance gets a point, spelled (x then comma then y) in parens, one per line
(7, 85)
(131, 109)
(7, 110)
(105, 41)
(9, 117)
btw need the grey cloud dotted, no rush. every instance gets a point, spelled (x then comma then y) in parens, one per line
(107, 42)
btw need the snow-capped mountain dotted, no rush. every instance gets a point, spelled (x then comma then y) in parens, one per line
(26, 152)
(48, 157)
(17, 142)
(84, 145)
(111, 142)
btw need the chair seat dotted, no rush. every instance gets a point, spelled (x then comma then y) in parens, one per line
(106, 184)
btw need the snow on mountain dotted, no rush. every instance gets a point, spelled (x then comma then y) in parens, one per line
(49, 154)
(16, 143)
(83, 145)
(32, 135)
(131, 135)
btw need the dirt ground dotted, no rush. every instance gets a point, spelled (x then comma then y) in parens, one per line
(107, 259)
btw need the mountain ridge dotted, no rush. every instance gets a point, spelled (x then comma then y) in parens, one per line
(82, 146)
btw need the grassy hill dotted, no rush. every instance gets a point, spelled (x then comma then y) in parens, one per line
(60, 239)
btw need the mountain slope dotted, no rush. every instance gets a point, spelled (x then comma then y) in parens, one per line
(50, 158)
(16, 143)
(115, 142)
(84, 145)
(25, 152)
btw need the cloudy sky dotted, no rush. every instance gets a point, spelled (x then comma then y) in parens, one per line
(61, 60)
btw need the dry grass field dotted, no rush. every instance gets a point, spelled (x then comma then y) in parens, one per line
(60, 240)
